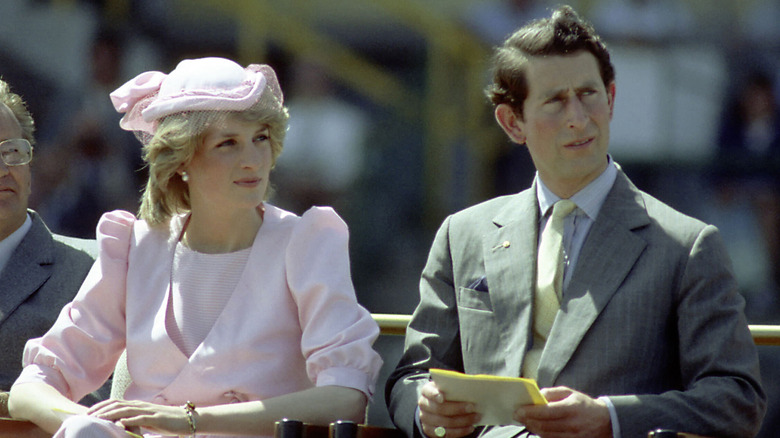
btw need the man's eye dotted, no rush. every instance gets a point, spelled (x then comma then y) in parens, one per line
(554, 104)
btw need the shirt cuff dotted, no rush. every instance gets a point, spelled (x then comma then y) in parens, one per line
(417, 421)
(42, 373)
(349, 377)
(613, 418)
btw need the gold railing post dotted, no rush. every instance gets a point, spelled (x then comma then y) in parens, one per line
(454, 111)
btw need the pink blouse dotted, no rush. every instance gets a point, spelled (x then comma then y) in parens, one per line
(201, 285)
(292, 322)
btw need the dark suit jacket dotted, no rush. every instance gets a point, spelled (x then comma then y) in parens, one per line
(651, 316)
(42, 275)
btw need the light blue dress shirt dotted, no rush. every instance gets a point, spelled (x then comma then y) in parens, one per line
(577, 224)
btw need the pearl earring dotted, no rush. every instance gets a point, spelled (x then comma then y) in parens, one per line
(185, 177)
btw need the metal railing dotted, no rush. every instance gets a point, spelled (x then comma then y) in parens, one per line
(394, 324)
(765, 334)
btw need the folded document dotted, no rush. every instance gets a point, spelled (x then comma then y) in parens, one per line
(495, 397)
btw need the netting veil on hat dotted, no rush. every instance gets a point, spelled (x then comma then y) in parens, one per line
(216, 84)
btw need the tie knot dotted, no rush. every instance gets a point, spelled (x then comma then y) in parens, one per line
(562, 208)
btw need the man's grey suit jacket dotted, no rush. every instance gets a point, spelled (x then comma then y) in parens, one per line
(651, 316)
(43, 274)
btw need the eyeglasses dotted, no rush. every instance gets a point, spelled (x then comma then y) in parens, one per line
(16, 152)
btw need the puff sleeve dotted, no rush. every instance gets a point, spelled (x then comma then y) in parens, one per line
(79, 352)
(337, 332)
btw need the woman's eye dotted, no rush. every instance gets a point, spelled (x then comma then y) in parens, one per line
(225, 143)
(261, 138)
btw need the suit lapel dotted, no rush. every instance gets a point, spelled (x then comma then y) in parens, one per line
(610, 251)
(507, 250)
(28, 268)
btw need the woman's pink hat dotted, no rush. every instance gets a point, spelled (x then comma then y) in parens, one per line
(203, 84)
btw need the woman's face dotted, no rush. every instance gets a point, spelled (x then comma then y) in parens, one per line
(230, 168)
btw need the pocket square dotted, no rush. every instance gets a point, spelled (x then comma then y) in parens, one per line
(480, 284)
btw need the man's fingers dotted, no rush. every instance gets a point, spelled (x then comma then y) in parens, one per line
(574, 415)
(541, 413)
(458, 421)
(449, 418)
(556, 393)
(434, 401)
(446, 408)
(431, 391)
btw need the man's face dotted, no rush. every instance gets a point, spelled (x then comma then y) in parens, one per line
(14, 180)
(565, 122)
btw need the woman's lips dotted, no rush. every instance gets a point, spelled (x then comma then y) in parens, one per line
(248, 182)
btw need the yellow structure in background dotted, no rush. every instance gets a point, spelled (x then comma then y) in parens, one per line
(451, 108)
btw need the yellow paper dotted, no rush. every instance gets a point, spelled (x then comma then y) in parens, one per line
(495, 397)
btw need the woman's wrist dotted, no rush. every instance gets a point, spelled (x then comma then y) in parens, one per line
(192, 417)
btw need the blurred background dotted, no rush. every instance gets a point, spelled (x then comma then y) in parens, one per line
(389, 123)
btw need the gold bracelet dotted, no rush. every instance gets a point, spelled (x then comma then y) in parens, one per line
(189, 409)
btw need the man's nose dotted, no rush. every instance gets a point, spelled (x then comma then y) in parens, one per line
(577, 114)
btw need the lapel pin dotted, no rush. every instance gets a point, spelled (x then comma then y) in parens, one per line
(504, 244)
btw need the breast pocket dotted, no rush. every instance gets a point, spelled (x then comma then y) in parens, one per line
(474, 299)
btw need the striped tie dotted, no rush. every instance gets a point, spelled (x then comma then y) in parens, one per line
(549, 280)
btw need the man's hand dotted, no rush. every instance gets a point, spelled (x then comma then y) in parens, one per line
(568, 414)
(457, 418)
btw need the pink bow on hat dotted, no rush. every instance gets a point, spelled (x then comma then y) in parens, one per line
(202, 84)
(128, 95)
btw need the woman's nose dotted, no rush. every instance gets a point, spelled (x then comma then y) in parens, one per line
(252, 155)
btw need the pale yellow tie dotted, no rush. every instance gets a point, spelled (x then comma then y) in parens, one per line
(549, 280)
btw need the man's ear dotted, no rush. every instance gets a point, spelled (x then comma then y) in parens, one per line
(510, 122)
(611, 98)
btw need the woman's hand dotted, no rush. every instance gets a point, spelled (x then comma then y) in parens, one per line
(130, 414)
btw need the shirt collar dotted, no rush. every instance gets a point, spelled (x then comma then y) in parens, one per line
(9, 244)
(589, 199)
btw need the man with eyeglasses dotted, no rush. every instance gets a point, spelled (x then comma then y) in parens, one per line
(39, 271)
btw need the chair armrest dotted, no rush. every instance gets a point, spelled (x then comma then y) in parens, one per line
(305, 430)
(367, 431)
(4, 405)
(11, 428)
(666, 433)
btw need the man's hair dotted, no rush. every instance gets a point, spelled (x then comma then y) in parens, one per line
(564, 33)
(18, 107)
(174, 144)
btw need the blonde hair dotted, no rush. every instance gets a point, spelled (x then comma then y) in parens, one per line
(174, 144)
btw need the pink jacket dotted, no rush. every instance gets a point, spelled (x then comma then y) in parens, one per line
(293, 321)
